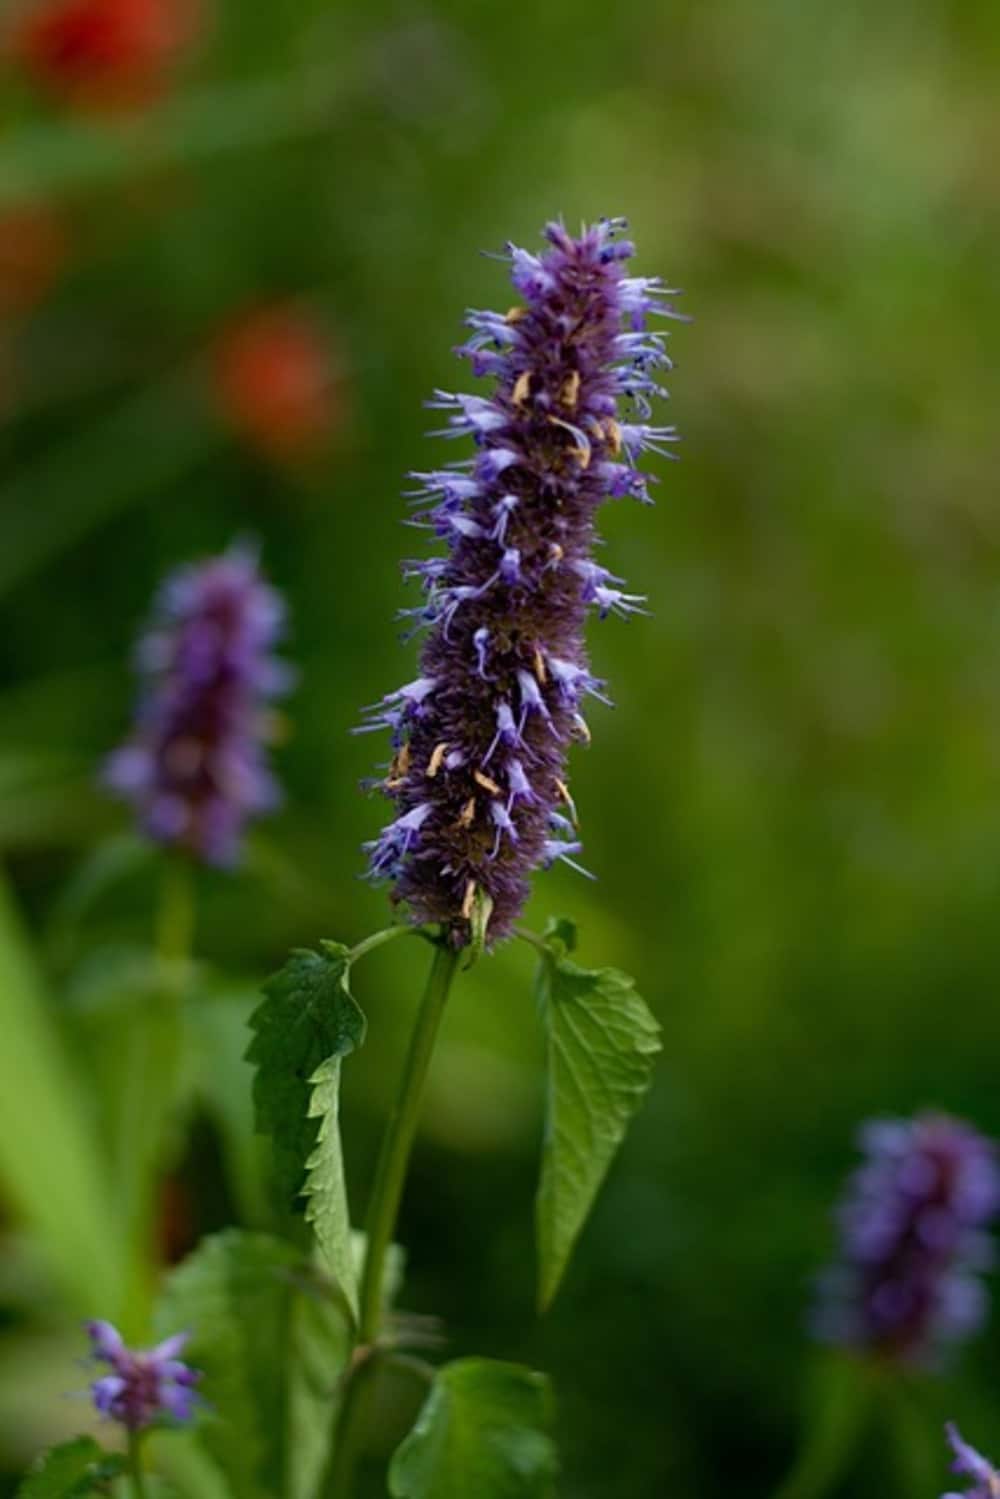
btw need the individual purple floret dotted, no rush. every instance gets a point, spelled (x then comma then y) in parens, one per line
(143, 1384)
(968, 1462)
(481, 736)
(913, 1240)
(195, 767)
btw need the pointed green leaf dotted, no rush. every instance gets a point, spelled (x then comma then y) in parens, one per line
(236, 1294)
(325, 1188)
(53, 1175)
(307, 1017)
(72, 1470)
(602, 1040)
(483, 1431)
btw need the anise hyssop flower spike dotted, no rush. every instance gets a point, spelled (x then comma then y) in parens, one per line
(481, 736)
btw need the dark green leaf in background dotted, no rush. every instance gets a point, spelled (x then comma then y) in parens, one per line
(483, 1432)
(236, 1295)
(602, 1040)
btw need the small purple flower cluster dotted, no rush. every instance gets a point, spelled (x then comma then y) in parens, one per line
(143, 1384)
(971, 1464)
(913, 1237)
(195, 766)
(481, 736)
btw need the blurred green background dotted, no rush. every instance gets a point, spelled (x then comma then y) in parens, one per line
(794, 811)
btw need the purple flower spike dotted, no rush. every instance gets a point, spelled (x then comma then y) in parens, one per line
(968, 1462)
(195, 766)
(913, 1239)
(143, 1384)
(481, 737)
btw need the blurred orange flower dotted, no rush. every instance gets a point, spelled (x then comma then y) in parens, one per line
(103, 53)
(278, 384)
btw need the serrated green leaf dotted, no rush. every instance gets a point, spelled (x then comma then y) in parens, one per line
(72, 1470)
(307, 1017)
(602, 1040)
(483, 1431)
(325, 1188)
(236, 1294)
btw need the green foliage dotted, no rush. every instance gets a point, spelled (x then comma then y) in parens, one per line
(325, 1188)
(307, 1017)
(238, 1293)
(483, 1431)
(51, 1168)
(601, 1042)
(125, 1020)
(72, 1470)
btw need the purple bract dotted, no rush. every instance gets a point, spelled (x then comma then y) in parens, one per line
(195, 766)
(143, 1384)
(481, 736)
(913, 1240)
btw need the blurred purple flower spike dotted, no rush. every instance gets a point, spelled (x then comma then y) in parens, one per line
(913, 1240)
(142, 1385)
(195, 766)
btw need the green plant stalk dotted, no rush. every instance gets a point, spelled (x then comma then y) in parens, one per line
(387, 1192)
(834, 1432)
(175, 920)
(136, 1474)
(156, 1049)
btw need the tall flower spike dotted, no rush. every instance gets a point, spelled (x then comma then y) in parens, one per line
(142, 1385)
(481, 737)
(195, 766)
(913, 1239)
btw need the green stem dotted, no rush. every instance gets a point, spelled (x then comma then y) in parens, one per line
(378, 939)
(151, 1082)
(136, 1473)
(835, 1429)
(175, 918)
(398, 1142)
(387, 1191)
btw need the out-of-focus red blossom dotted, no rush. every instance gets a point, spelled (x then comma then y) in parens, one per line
(103, 53)
(278, 383)
(33, 250)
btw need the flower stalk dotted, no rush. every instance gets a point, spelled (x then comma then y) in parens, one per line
(387, 1191)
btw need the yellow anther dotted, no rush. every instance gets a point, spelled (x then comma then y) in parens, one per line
(468, 812)
(564, 792)
(469, 900)
(570, 393)
(522, 388)
(515, 314)
(614, 435)
(486, 783)
(582, 730)
(434, 763)
(581, 450)
(399, 768)
(556, 552)
(540, 671)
